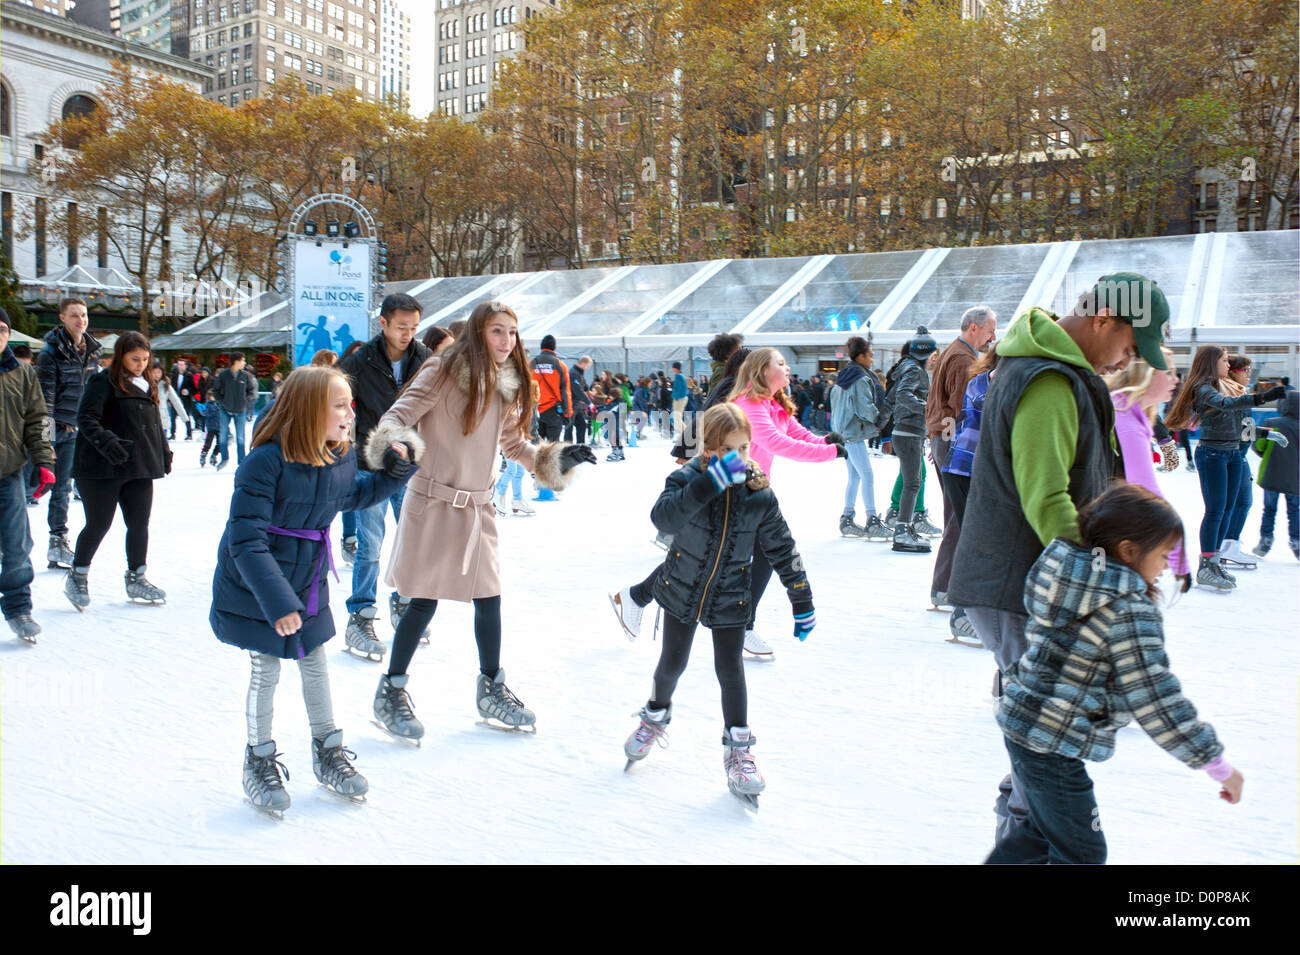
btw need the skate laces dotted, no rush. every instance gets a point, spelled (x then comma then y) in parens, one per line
(335, 761)
(266, 771)
(741, 760)
(650, 732)
(501, 695)
(400, 702)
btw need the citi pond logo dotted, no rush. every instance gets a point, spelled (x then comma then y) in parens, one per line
(77, 908)
(338, 260)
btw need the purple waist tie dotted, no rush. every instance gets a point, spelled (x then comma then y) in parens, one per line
(326, 553)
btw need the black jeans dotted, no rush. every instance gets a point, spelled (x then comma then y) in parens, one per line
(487, 633)
(728, 642)
(100, 498)
(1063, 826)
(550, 423)
(911, 461)
(576, 428)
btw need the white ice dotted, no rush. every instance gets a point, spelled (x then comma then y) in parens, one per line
(123, 730)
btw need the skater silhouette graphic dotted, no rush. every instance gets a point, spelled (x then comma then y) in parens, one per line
(314, 338)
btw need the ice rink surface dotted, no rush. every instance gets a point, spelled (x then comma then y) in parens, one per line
(122, 732)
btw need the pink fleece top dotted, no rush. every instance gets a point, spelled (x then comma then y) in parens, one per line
(1134, 433)
(776, 434)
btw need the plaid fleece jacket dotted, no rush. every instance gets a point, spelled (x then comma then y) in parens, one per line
(1096, 660)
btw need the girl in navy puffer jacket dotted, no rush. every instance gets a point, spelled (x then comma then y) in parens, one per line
(270, 593)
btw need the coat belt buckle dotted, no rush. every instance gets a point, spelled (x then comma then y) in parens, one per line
(457, 501)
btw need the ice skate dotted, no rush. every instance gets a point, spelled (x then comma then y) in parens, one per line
(891, 517)
(939, 601)
(25, 627)
(502, 506)
(59, 555)
(332, 763)
(521, 508)
(360, 637)
(393, 709)
(849, 529)
(262, 783)
(874, 530)
(1264, 546)
(1210, 576)
(648, 735)
(663, 540)
(397, 608)
(962, 630)
(496, 703)
(222, 463)
(907, 541)
(203, 458)
(757, 647)
(627, 611)
(77, 588)
(922, 527)
(615, 455)
(349, 549)
(1295, 547)
(1231, 554)
(743, 778)
(139, 590)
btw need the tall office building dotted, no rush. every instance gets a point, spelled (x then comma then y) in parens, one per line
(395, 52)
(161, 24)
(474, 38)
(60, 8)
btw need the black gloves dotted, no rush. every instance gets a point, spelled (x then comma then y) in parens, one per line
(834, 438)
(119, 451)
(575, 454)
(1273, 394)
(841, 451)
(395, 466)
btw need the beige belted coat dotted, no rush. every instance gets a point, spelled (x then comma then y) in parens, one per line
(446, 543)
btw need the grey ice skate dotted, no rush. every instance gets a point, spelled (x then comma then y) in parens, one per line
(906, 540)
(496, 702)
(77, 588)
(59, 554)
(743, 778)
(962, 630)
(360, 637)
(1210, 576)
(1264, 546)
(397, 608)
(874, 530)
(24, 626)
(139, 590)
(393, 708)
(648, 734)
(262, 783)
(891, 517)
(332, 763)
(922, 527)
(849, 529)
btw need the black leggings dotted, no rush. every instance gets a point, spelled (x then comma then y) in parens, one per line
(759, 575)
(487, 633)
(727, 645)
(100, 498)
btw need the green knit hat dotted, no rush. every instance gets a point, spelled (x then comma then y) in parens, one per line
(1139, 301)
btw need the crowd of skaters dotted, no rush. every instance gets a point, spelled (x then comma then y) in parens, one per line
(1037, 494)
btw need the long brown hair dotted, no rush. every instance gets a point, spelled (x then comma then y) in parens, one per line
(117, 374)
(300, 415)
(751, 381)
(471, 349)
(1205, 367)
(1129, 512)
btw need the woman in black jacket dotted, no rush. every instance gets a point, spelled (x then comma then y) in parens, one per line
(120, 452)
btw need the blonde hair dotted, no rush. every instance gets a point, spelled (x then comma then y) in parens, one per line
(751, 380)
(325, 357)
(720, 421)
(299, 417)
(1132, 383)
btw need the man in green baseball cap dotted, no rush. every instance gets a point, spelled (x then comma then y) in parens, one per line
(1138, 301)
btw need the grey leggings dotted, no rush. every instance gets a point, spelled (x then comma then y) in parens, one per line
(315, 693)
(911, 463)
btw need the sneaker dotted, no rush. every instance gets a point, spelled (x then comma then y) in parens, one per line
(496, 702)
(906, 540)
(1209, 575)
(349, 549)
(59, 555)
(1264, 546)
(360, 635)
(1230, 553)
(923, 528)
(522, 507)
(77, 588)
(24, 626)
(393, 707)
(649, 734)
(849, 529)
(627, 611)
(331, 761)
(875, 530)
(262, 782)
(756, 646)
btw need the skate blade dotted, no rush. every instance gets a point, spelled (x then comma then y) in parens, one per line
(355, 800)
(965, 643)
(749, 799)
(146, 602)
(489, 723)
(940, 609)
(760, 657)
(80, 608)
(277, 814)
(364, 655)
(404, 739)
(613, 602)
(660, 544)
(28, 640)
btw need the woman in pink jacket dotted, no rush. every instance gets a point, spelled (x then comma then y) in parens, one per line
(1137, 393)
(760, 392)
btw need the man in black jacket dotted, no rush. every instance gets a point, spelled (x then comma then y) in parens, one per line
(236, 393)
(70, 356)
(378, 370)
(580, 402)
(182, 382)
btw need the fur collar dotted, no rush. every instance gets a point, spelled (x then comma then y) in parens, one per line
(507, 379)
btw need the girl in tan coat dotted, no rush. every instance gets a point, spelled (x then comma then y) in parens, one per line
(464, 403)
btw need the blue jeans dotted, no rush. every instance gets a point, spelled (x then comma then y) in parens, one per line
(16, 572)
(859, 465)
(1063, 826)
(1270, 514)
(370, 541)
(513, 477)
(1240, 504)
(239, 419)
(1219, 472)
(65, 443)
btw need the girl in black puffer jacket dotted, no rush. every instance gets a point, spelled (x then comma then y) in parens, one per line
(716, 507)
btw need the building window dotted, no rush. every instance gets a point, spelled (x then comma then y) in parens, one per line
(73, 238)
(5, 127)
(40, 236)
(7, 224)
(75, 107)
(101, 238)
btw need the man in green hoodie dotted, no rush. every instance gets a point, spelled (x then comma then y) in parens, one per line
(1047, 446)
